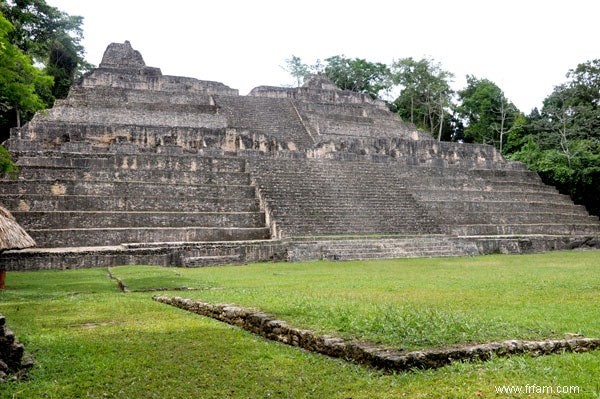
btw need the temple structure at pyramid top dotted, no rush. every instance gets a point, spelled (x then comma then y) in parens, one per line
(122, 55)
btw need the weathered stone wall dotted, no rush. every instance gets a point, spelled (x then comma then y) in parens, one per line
(12, 362)
(384, 358)
(124, 67)
(423, 246)
(181, 254)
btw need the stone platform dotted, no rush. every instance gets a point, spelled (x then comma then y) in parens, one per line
(138, 167)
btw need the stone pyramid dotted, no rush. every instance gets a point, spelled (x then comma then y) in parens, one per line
(136, 167)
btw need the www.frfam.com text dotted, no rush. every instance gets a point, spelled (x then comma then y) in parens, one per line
(534, 388)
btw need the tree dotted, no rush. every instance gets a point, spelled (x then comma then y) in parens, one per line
(22, 86)
(515, 136)
(50, 37)
(34, 33)
(488, 115)
(7, 167)
(358, 75)
(426, 97)
(562, 141)
(299, 70)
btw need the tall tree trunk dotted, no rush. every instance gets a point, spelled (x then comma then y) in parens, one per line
(564, 141)
(441, 121)
(18, 111)
(503, 112)
(2, 279)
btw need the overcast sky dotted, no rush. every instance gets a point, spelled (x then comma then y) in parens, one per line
(525, 46)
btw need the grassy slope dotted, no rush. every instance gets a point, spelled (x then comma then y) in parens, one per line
(92, 341)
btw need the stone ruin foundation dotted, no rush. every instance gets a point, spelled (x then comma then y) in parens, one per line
(137, 167)
(363, 353)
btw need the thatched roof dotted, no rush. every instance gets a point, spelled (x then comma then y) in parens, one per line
(12, 236)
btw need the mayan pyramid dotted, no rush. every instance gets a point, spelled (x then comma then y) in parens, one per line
(136, 167)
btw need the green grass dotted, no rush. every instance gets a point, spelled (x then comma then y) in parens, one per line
(409, 304)
(90, 340)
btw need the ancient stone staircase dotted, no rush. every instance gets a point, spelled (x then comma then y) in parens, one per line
(309, 197)
(388, 247)
(111, 199)
(498, 202)
(261, 119)
(342, 208)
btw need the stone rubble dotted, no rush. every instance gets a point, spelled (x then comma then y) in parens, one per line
(13, 364)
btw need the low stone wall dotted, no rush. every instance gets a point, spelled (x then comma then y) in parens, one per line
(11, 354)
(390, 247)
(195, 254)
(277, 330)
(158, 254)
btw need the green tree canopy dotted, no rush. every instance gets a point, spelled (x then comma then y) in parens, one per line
(487, 113)
(562, 141)
(23, 87)
(51, 37)
(34, 33)
(299, 70)
(7, 167)
(426, 96)
(358, 75)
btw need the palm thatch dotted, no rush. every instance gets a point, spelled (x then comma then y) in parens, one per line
(12, 236)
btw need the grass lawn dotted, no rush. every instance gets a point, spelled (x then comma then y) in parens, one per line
(91, 340)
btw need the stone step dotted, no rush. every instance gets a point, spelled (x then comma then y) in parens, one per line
(120, 97)
(395, 171)
(416, 253)
(319, 229)
(162, 176)
(46, 203)
(65, 162)
(416, 176)
(505, 206)
(212, 260)
(475, 185)
(105, 116)
(130, 189)
(292, 230)
(340, 199)
(524, 229)
(524, 216)
(347, 217)
(347, 209)
(483, 196)
(501, 174)
(85, 219)
(46, 238)
(151, 161)
(418, 185)
(389, 247)
(157, 253)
